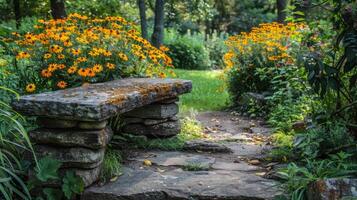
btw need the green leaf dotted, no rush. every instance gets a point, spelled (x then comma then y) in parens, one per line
(53, 194)
(47, 169)
(72, 184)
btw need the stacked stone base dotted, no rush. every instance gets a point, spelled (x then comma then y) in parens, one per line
(154, 120)
(80, 146)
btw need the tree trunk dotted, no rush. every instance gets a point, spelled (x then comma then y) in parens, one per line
(17, 12)
(281, 6)
(143, 22)
(158, 34)
(58, 9)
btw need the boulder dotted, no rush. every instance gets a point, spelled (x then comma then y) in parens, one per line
(246, 98)
(166, 129)
(150, 122)
(154, 111)
(82, 158)
(333, 189)
(93, 139)
(168, 101)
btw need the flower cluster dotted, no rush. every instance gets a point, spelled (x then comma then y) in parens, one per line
(269, 43)
(69, 52)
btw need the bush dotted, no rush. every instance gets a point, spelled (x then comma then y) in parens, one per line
(67, 53)
(188, 51)
(217, 48)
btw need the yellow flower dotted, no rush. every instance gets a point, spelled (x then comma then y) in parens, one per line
(123, 56)
(97, 68)
(81, 59)
(62, 84)
(30, 88)
(107, 53)
(110, 66)
(76, 52)
(90, 72)
(47, 56)
(60, 56)
(72, 70)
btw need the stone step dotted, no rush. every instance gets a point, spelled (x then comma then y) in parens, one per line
(146, 184)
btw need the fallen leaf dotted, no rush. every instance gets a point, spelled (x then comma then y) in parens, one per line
(114, 179)
(254, 162)
(147, 162)
(260, 173)
(160, 170)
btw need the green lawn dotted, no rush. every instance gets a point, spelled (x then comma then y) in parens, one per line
(207, 93)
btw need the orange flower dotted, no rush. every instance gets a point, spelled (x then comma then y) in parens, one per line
(46, 73)
(90, 72)
(81, 59)
(82, 72)
(62, 84)
(61, 66)
(30, 88)
(52, 67)
(23, 55)
(107, 53)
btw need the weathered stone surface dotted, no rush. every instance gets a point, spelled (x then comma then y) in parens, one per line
(168, 101)
(243, 167)
(72, 157)
(184, 185)
(97, 102)
(92, 125)
(132, 120)
(206, 146)
(93, 139)
(56, 123)
(178, 159)
(165, 129)
(150, 122)
(154, 111)
(332, 189)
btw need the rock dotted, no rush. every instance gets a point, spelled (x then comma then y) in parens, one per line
(166, 129)
(174, 118)
(56, 123)
(178, 159)
(93, 139)
(92, 125)
(246, 98)
(98, 102)
(206, 146)
(332, 189)
(132, 120)
(184, 185)
(150, 122)
(154, 111)
(72, 157)
(234, 167)
(299, 126)
(169, 101)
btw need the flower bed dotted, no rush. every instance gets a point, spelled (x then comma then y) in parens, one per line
(69, 52)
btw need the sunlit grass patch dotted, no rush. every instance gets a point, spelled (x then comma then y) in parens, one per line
(208, 91)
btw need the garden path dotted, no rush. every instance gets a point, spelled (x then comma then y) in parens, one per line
(234, 171)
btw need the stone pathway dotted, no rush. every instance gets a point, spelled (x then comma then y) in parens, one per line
(228, 167)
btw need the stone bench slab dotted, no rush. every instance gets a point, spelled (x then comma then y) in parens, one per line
(97, 102)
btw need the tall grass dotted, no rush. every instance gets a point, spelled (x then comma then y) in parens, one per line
(14, 141)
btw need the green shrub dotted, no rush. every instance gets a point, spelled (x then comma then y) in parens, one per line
(217, 48)
(188, 51)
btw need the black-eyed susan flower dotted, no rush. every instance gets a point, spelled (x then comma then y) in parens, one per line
(30, 88)
(62, 84)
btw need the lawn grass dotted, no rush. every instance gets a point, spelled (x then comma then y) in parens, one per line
(208, 93)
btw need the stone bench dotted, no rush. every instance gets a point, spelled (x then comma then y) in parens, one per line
(73, 123)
